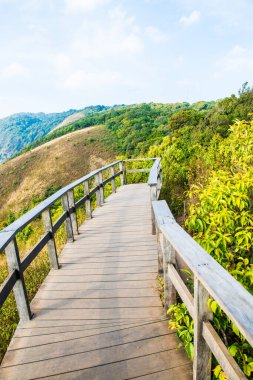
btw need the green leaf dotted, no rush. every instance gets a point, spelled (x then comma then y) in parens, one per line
(233, 349)
(214, 306)
(217, 370)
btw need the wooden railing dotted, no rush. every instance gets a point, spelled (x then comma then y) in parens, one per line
(17, 266)
(174, 246)
(211, 280)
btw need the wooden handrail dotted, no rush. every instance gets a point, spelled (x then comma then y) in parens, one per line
(210, 280)
(9, 232)
(8, 242)
(153, 178)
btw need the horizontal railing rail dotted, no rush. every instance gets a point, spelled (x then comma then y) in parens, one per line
(17, 266)
(7, 234)
(211, 280)
(15, 280)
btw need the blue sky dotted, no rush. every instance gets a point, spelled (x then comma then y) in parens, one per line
(62, 54)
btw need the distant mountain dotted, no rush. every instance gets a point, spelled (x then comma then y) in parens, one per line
(80, 114)
(19, 130)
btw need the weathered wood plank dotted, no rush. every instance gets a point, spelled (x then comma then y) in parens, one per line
(102, 278)
(154, 336)
(67, 271)
(95, 294)
(100, 303)
(133, 359)
(109, 259)
(220, 351)
(52, 285)
(202, 353)
(86, 337)
(100, 316)
(181, 288)
(104, 264)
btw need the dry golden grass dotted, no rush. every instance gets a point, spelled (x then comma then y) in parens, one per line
(56, 163)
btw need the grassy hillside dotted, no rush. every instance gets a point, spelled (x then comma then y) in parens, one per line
(80, 114)
(27, 179)
(19, 130)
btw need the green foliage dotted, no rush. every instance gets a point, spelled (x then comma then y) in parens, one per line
(183, 118)
(221, 220)
(20, 130)
(181, 321)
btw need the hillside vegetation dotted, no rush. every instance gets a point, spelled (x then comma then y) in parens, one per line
(28, 179)
(207, 157)
(19, 130)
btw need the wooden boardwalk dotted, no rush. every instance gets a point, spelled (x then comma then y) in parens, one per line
(100, 315)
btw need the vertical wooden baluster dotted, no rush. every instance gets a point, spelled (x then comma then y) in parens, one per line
(65, 206)
(122, 168)
(19, 288)
(159, 251)
(73, 216)
(113, 180)
(202, 353)
(124, 172)
(101, 188)
(51, 247)
(159, 182)
(98, 190)
(153, 198)
(169, 257)
(87, 202)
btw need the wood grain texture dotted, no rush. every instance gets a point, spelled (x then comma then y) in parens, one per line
(100, 316)
(220, 351)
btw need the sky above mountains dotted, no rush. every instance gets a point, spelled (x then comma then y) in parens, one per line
(61, 54)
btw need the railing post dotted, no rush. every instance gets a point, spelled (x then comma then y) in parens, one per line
(51, 247)
(71, 199)
(98, 190)
(100, 175)
(153, 198)
(19, 288)
(122, 167)
(159, 182)
(87, 202)
(113, 180)
(159, 251)
(202, 353)
(65, 206)
(169, 257)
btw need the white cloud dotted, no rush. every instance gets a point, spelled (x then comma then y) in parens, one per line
(81, 79)
(155, 34)
(62, 62)
(14, 70)
(120, 36)
(237, 60)
(83, 5)
(184, 82)
(191, 19)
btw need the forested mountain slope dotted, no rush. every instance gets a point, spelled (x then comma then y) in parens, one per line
(19, 130)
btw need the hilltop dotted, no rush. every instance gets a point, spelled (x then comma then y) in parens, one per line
(19, 130)
(29, 178)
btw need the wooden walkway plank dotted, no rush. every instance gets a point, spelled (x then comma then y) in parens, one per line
(100, 315)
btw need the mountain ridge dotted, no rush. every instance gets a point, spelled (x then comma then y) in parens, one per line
(21, 129)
